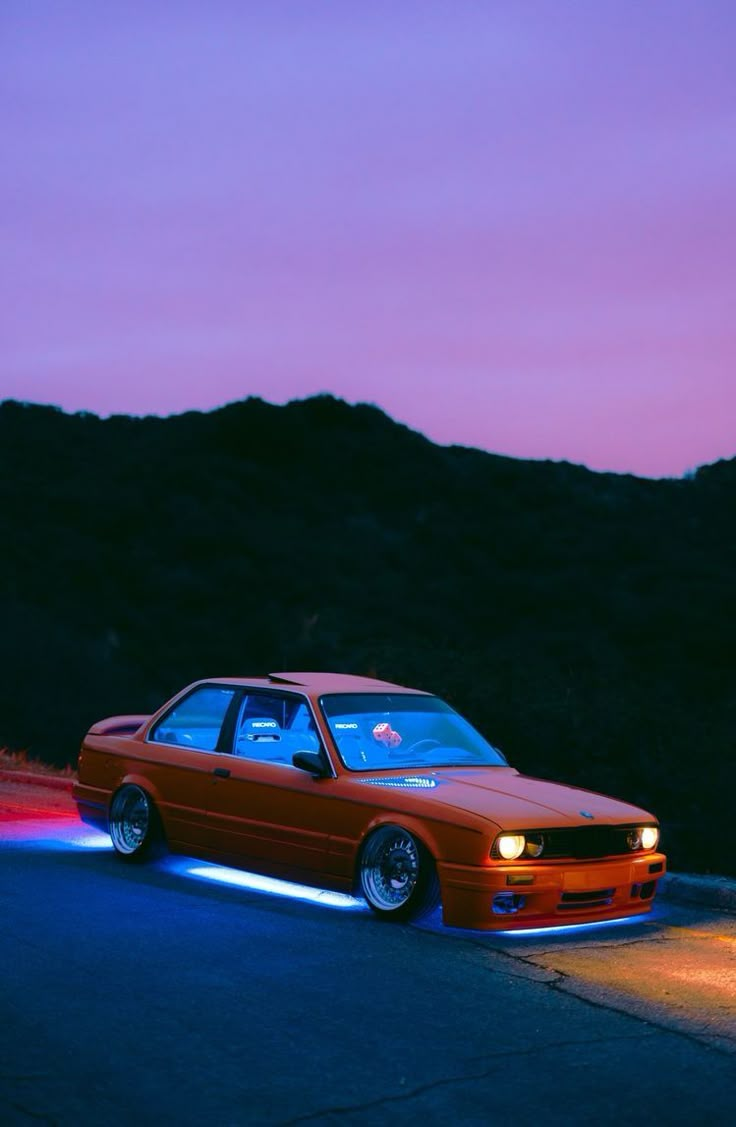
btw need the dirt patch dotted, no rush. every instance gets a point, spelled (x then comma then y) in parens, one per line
(19, 795)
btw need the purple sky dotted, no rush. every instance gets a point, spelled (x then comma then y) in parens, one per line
(511, 225)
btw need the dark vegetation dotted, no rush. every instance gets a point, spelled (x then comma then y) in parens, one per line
(583, 621)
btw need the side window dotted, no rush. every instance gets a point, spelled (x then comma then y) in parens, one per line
(196, 721)
(271, 728)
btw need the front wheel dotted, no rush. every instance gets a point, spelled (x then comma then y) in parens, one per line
(134, 824)
(397, 875)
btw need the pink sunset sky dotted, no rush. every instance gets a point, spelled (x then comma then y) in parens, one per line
(510, 225)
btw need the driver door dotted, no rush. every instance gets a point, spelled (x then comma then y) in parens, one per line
(267, 814)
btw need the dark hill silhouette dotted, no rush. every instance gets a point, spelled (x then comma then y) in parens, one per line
(584, 621)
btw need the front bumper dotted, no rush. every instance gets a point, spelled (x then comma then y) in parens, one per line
(548, 893)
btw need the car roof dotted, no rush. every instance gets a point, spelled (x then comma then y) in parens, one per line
(318, 683)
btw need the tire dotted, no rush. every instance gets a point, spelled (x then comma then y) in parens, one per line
(134, 825)
(397, 875)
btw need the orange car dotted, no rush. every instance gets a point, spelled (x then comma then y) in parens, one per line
(363, 786)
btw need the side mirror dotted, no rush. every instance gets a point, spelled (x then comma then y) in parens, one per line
(310, 761)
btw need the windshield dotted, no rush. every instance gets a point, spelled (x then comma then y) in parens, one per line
(380, 731)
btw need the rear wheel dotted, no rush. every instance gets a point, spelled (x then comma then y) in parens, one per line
(397, 875)
(134, 824)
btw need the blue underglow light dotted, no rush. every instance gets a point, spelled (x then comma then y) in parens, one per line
(275, 887)
(521, 933)
(92, 841)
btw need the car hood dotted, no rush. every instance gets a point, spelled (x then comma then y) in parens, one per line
(517, 802)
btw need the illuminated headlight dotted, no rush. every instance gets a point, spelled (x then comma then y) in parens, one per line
(644, 837)
(510, 846)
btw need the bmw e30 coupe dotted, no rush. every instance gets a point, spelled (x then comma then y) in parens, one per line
(363, 786)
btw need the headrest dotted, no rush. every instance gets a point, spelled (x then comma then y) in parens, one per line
(302, 722)
(260, 728)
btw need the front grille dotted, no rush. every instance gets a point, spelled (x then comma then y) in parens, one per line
(583, 843)
(598, 898)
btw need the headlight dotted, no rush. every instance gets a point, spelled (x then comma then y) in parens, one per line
(643, 837)
(510, 846)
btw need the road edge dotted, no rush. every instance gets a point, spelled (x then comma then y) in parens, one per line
(698, 888)
(36, 779)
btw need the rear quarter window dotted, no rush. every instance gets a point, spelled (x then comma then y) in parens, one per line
(195, 722)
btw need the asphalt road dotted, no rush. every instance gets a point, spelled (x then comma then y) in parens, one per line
(139, 995)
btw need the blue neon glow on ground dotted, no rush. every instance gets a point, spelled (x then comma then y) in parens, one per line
(91, 841)
(275, 887)
(53, 835)
(521, 933)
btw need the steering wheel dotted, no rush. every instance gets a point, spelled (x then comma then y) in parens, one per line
(401, 752)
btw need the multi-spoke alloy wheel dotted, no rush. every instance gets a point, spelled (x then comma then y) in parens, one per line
(397, 876)
(133, 823)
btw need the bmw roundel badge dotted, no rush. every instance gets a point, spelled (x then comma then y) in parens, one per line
(587, 814)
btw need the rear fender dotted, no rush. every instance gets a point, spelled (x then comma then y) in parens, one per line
(133, 779)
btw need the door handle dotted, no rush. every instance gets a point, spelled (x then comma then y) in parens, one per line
(222, 772)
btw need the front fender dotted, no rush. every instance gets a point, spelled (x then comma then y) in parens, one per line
(443, 841)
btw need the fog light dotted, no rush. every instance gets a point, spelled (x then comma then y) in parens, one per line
(506, 903)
